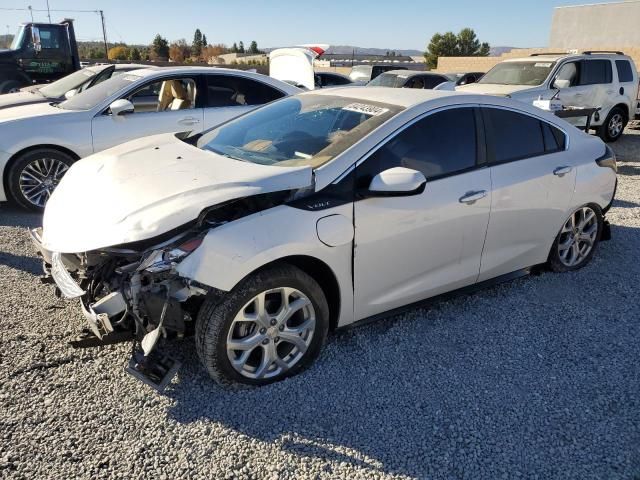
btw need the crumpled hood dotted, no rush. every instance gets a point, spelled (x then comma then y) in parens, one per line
(492, 89)
(21, 98)
(148, 187)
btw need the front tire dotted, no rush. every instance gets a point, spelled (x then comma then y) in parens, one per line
(577, 240)
(35, 174)
(615, 123)
(269, 327)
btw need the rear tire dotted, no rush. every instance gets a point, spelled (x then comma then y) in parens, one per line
(279, 319)
(614, 125)
(577, 240)
(34, 175)
(10, 86)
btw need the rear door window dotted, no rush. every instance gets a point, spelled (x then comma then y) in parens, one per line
(596, 72)
(233, 91)
(625, 73)
(512, 135)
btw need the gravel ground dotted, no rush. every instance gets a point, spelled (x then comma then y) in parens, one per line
(538, 378)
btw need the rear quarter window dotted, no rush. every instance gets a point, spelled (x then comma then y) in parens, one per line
(625, 72)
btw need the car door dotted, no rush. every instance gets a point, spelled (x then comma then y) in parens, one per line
(597, 79)
(229, 96)
(408, 248)
(175, 108)
(627, 83)
(533, 180)
(567, 81)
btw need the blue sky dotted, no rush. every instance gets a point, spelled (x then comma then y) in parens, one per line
(367, 23)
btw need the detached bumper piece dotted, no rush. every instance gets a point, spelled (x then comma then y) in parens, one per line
(156, 369)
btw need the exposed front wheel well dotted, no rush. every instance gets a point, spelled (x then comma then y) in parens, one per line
(14, 158)
(321, 273)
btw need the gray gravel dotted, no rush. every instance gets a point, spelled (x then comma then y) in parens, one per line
(539, 378)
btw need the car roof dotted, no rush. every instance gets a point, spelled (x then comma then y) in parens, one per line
(412, 73)
(554, 57)
(153, 69)
(402, 97)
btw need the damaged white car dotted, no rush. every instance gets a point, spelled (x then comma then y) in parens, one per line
(312, 213)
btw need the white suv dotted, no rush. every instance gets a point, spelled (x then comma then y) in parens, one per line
(605, 80)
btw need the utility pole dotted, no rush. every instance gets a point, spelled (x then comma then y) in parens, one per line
(48, 11)
(31, 12)
(104, 35)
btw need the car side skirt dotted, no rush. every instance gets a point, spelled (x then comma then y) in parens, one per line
(446, 296)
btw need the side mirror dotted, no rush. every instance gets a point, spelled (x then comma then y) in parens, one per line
(560, 84)
(35, 39)
(121, 107)
(396, 182)
(70, 93)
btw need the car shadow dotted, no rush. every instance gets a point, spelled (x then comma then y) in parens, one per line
(27, 264)
(13, 216)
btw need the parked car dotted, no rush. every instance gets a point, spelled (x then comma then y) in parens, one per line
(604, 80)
(66, 87)
(411, 79)
(40, 142)
(317, 211)
(331, 79)
(365, 73)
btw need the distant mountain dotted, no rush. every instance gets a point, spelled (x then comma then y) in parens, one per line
(497, 51)
(348, 49)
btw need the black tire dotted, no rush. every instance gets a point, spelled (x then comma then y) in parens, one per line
(218, 312)
(555, 263)
(21, 163)
(609, 131)
(9, 86)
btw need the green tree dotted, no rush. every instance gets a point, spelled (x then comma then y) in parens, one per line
(159, 48)
(204, 43)
(196, 46)
(234, 48)
(470, 46)
(241, 48)
(464, 44)
(134, 54)
(253, 48)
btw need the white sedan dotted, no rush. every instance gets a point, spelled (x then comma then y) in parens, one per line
(315, 212)
(38, 143)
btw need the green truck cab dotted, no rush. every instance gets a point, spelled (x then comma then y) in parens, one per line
(39, 53)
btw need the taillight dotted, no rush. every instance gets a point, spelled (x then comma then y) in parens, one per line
(608, 160)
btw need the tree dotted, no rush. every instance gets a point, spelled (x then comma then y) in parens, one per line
(179, 51)
(159, 48)
(196, 47)
(470, 46)
(134, 54)
(241, 48)
(253, 48)
(234, 48)
(465, 44)
(204, 44)
(214, 51)
(120, 52)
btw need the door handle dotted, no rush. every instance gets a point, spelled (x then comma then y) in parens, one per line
(470, 198)
(562, 171)
(188, 121)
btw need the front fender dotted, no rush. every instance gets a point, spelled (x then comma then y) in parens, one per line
(232, 251)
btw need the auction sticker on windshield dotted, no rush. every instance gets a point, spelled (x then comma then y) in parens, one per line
(366, 109)
(543, 64)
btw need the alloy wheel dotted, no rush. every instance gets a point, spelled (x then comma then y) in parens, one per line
(39, 178)
(616, 125)
(271, 333)
(578, 236)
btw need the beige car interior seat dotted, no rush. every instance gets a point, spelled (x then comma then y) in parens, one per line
(173, 96)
